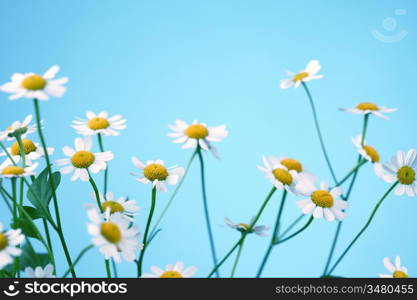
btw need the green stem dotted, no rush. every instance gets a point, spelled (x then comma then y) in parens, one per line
(22, 150)
(297, 232)
(77, 259)
(107, 264)
(14, 195)
(5, 197)
(48, 240)
(100, 143)
(295, 222)
(96, 192)
(237, 258)
(352, 172)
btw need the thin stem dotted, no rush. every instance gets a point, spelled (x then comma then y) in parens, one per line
(77, 259)
(297, 232)
(106, 262)
(5, 197)
(363, 228)
(96, 192)
(100, 143)
(232, 274)
(14, 196)
(22, 150)
(114, 267)
(48, 240)
(295, 222)
(352, 172)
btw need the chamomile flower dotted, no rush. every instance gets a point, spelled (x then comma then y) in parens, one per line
(39, 272)
(308, 74)
(396, 271)
(402, 168)
(23, 128)
(33, 151)
(370, 108)
(127, 207)
(99, 123)
(260, 230)
(171, 271)
(369, 153)
(8, 245)
(197, 134)
(11, 171)
(113, 235)
(81, 161)
(321, 202)
(157, 173)
(31, 85)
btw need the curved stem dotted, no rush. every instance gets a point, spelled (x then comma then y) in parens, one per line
(96, 192)
(232, 274)
(353, 172)
(77, 259)
(295, 222)
(297, 232)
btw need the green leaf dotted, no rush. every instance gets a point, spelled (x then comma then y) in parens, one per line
(27, 227)
(33, 212)
(29, 258)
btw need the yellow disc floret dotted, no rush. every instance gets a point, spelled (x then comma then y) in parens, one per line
(28, 146)
(114, 206)
(372, 153)
(244, 227)
(4, 241)
(197, 131)
(34, 82)
(111, 232)
(367, 106)
(399, 274)
(171, 274)
(406, 175)
(82, 159)
(283, 176)
(300, 76)
(155, 172)
(322, 198)
(98, 123)
(13, 170)
(292, 164)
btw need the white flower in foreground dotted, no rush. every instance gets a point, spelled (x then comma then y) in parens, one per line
(127, 207)
(157, 173)
(8, 245)
(308, 74)
(31, 85)
(321, 202)
(396, 271)
(197, 134)
(260, 230)
(370, 108)
(369, 153)
(82, 160)
(17, 171)
(22, 127)
(100, 123)
(402, 168)
(39, 272)
(171, 271)
(33, 151)
(113, 235)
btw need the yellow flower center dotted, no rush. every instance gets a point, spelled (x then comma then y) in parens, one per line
(197, 131)
(34, 82)
(300, 76)
(111, 232)
(292, 164)
(399, 274)
(98, 123)
(114, 206)
(155, 171)
(82, 159)
(13, 170)
(406, 175)
(28, 146)
(171, 274)
(283, 176)
(4, 241)
(367, 106)
(322, 198)
(373, 154)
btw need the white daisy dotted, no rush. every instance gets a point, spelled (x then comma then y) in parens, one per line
(126, 207)
(171, 271)
(321, 202)
(369, 153)
(370, 108)
(9, 171)
(33, 151)
(31, 85)
(99, 123)
(197, 134)
(308, 74)
(39, 272)
(396, 271)
(157, 173)
(82, 160)
(8, 242)
(260, 230)
(113, 235)
(23, 128)
(402, 168)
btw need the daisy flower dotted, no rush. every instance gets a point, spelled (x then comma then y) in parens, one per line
(113, 235)
(32, 85)
(8, 242)
(33, 151)
(396, 271)
(370, 108)
(402, 168)
(321, 202)
(171, 271)
(23, 128)
(308, 74)
(157, 173)
(260, 230)
(100, 123)
(197, 134)
(40, 272)
(369, 153)
(17, 171)
(126, 207)
(82, 160)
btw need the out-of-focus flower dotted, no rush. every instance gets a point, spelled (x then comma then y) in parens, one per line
(397, 271)
(9, 171)
(260, 230)
(99, 123)
(8, 245)
(308, 74)
(171, 271)
(39, 272)
(370, 108)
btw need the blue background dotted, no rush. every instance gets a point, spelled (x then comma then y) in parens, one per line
(221, 62)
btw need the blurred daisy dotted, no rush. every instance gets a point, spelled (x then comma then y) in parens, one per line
(113, 235)
(82, 160)
(370, 108)
(16, 171)
(39, 272)
(100, 123)
(157, 173)
(321, 202)
(31, 85)
(396, 271)
(308, 74)
(369, 153)
(33, 152)
(171, 271)
(260, 230)
(8, 245)
(126, 207)
(23, 128)
(402, 168)
(197, 134)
